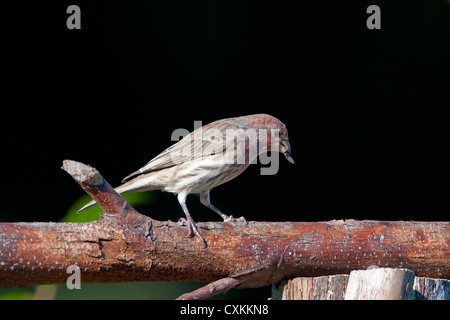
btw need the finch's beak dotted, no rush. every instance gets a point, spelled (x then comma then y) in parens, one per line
(289, 158)
(285, 149)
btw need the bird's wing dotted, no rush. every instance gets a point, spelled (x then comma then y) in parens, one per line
(202, 142)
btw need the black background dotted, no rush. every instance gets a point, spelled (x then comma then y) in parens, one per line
(366, 109)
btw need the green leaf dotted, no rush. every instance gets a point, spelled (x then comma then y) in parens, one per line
(93, 213)
(16, 294)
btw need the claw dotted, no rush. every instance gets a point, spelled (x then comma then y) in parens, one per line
(193, 230)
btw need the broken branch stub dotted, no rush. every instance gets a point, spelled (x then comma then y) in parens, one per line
(97, 187)
(83, 173)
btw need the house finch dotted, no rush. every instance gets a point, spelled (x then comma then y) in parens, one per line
(207, 157)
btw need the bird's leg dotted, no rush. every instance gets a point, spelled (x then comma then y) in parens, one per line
(192, 227)
(204, 199)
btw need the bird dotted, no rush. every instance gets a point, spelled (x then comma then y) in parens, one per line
(208, 157)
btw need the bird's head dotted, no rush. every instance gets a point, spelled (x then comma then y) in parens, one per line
(278, 133)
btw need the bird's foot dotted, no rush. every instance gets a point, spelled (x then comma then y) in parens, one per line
(231, 219)
(193, 230)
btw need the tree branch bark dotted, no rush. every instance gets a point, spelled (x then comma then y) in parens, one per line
(124, 245)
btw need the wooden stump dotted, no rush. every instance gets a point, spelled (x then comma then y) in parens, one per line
(311, 288)
(380, 284)
(372, 284)
(431, 289)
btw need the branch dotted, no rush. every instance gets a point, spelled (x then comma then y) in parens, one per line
(212, 289)
(124, 245)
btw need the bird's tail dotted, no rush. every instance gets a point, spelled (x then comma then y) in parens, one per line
(138, 184)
